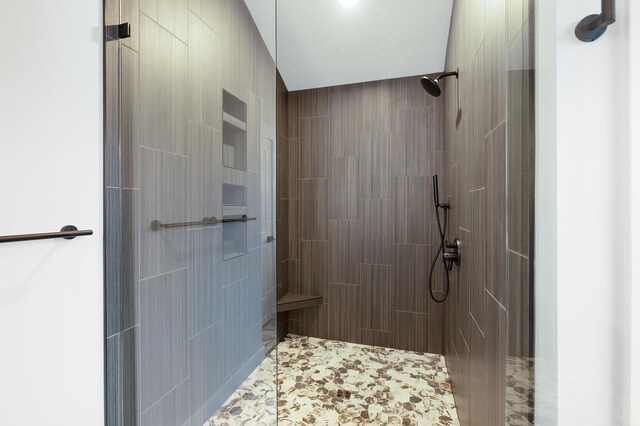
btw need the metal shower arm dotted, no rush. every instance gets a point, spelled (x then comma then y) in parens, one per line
(448, 74)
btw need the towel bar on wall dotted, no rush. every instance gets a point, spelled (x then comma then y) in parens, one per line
(593, 26)
(68, 232)
(156, 225)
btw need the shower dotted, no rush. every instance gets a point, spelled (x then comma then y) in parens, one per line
(432, 86)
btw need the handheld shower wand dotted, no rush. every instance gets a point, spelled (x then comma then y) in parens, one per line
(450, 251)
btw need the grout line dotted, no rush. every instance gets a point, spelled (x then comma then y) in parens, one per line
(476, 323)
(519, 254)
(496, 300)
(186, 268)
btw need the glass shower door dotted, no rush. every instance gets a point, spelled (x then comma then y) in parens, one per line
(190, 210)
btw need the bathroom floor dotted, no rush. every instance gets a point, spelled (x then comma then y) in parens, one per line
(325, 382)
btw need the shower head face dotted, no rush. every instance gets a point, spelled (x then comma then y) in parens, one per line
(431, 86)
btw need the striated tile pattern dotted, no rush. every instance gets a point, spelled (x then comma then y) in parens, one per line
(326, 382)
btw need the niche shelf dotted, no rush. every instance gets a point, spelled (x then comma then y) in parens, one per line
(234, 132)
(293, 301)
(234, 235)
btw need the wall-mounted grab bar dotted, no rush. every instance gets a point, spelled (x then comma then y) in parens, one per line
(156, 225)
(68, 232)
(593, 26)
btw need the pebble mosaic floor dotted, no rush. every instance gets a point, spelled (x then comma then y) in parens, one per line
(520, 392)
(325, 382)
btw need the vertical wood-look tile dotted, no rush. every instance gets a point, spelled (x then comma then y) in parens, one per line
(205, 359)
(313, 209)
(113, 245)
(374, 105)
(163, 87)
(130, 12)
(293, 130)
(129, 341)
(172, 409)
(112, 114)
(412, 125)
(411, 331)
(407, 93)
(495, 62)
(293, 168)
(313, 322)
(210, 11)
(462, 303)
(411, 276)
(344, 312)
(520, 317)
(379, 231)
(163, 337)
(235, 326)
(375, 172)
(163, 197)
(345, 238)
(172, 15)
(344, 121)
(130, 258)
(315, 267)
(293, 275)
(477, 396)
(377, 292)
(344, 195)
(313, 103)
(315, 142)
(413, 209)
(495, 360)
(205, 279)
(204, 74)
(293, 228)
(495, 268)
(129, 119)
(376, 338)
(477, 251)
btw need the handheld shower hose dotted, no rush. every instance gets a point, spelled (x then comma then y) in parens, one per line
(448, 257)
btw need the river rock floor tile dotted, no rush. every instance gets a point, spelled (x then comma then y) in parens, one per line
(325, 382)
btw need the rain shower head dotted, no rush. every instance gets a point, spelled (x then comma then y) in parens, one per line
(432, 86)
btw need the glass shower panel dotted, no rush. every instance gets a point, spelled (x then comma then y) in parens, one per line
(190, 216)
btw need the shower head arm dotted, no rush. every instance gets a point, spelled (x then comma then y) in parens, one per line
(447, 74)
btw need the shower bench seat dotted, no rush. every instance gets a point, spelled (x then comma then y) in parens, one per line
(293, 301)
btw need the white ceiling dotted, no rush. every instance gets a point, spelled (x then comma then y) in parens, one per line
(321, 43)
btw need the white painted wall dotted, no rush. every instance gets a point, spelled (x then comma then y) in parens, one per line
(51, 309)
(583, 218)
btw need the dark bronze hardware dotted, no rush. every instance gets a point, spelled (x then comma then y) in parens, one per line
(117, 32)
(451, 253)
(270, 239)
(207, 221)
(68, 232)
(593, 26)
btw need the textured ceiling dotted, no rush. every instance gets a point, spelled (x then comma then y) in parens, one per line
(321, 43)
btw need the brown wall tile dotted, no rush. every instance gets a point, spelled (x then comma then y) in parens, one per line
(377, 297)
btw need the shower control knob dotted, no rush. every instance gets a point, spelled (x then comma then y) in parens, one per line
(451, 253)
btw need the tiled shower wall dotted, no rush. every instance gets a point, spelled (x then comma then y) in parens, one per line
(488, 164)
(356, 199)
(184, 328)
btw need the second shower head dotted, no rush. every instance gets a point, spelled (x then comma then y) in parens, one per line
(432, 86)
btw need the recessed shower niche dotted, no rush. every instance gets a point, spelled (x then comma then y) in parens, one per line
(234, 132)
(234, 200)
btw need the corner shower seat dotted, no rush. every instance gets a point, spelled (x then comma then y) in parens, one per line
(293, 301)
